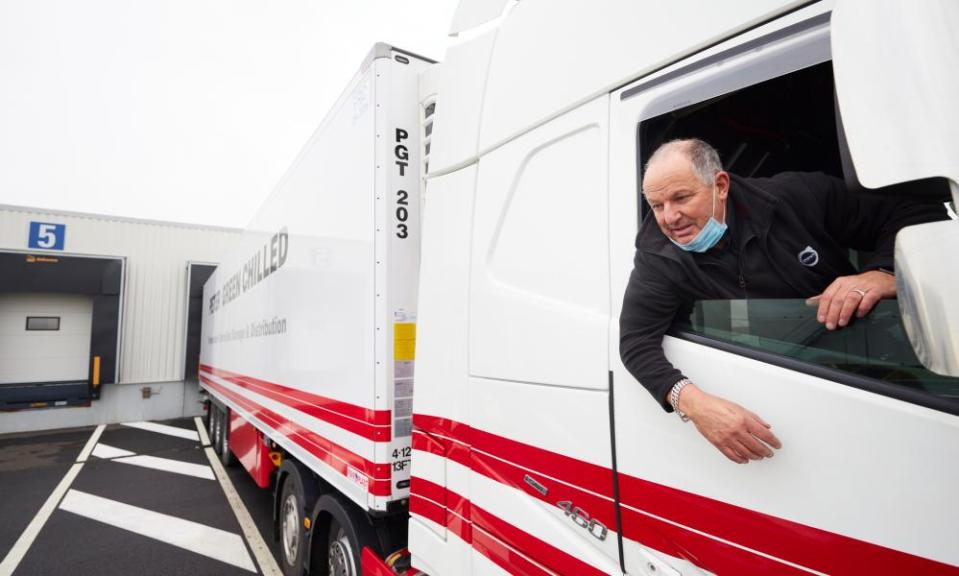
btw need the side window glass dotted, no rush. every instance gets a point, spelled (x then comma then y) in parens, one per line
(873, 347)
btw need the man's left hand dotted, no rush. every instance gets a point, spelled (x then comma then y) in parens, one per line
(849, 295)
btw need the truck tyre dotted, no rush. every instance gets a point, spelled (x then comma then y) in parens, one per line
(213, 412)
(293, 536)
(211, 423)
(349, 532)
(226, 456)
(343, 559)
(208, 419)
(217, 438)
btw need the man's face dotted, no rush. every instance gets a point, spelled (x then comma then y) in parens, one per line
(681, 202)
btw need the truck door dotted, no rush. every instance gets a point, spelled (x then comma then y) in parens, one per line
(541, 483)
(865, 480)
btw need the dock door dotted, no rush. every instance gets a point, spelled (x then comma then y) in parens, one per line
(59, 328)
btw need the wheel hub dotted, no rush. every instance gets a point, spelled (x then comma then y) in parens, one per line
(291, 529)
(341, 559)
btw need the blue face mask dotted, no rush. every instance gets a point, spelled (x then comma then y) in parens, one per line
(708, 236)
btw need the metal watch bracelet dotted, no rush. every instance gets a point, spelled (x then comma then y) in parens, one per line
(674, 397)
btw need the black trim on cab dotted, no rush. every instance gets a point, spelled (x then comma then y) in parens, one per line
(612, 444)
(894, 391)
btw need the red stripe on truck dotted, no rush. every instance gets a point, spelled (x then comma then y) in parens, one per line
(532, 547)
(426, 443)
(703, 550)
(495, 538)
(583, 475)
(426, 489)
(336, 412)
(327, 451)
(505, 557)
(710, 533)
(442, 506)
(428, 509)
(600, 508)
(790, 541)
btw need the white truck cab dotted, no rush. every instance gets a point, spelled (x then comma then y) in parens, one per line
(486, 304)
(538, 452)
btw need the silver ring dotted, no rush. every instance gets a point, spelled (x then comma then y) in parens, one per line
(860, 291)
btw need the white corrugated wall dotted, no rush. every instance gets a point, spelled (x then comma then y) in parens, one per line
(154, 296)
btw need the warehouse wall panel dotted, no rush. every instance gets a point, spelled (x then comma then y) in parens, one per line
(154, 293)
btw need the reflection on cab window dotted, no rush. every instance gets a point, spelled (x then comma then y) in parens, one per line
(874, 347)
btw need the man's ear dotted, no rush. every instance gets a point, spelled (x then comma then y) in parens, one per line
(722, 184)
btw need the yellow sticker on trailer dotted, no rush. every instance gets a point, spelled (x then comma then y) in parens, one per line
(404, 341)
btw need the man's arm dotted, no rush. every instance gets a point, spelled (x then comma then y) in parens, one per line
(863, 222)
(649, 307)
(869, 222)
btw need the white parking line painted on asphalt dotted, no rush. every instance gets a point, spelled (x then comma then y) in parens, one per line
(168, 465)
(264, 557)
(193, 536)
(153, 462)
(164, 429)
(23, 543)
(85, 453)
(106, 452)
(204, 437)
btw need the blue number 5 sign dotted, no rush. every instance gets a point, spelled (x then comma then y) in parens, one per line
(47, 236)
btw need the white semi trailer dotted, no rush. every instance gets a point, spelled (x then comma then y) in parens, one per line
(415, 343)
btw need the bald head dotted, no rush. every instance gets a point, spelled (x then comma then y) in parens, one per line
(685, 186)
(703, 157)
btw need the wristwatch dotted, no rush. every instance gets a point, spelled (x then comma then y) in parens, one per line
(674, 397)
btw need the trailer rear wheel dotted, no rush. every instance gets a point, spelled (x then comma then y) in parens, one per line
(292, 534)
(226, 456)
(342, 560)
(346, 532)
(215, 428)
(208, 419)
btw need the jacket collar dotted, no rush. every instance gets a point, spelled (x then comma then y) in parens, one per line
(753, 208)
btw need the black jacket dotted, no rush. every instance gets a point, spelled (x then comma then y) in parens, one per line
(789, 237)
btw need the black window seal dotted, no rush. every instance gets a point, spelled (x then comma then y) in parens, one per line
(867, 384)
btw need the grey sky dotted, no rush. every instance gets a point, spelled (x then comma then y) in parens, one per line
(179, 110)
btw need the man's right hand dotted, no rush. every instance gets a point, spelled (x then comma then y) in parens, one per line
(736, 432)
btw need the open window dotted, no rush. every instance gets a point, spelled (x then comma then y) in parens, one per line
(786, 123)
(790, 123)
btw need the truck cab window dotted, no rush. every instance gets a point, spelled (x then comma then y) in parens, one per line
(788, 124)
(784, 124)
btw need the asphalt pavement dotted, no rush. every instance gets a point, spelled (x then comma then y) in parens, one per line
(140, 498)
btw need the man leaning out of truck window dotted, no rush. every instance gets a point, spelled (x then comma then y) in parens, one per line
(719, 236)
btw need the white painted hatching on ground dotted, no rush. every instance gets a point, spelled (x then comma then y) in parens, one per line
(193, 536)
(164, 429)
(153, 462)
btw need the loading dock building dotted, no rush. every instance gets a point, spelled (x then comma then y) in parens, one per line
(99, 317)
